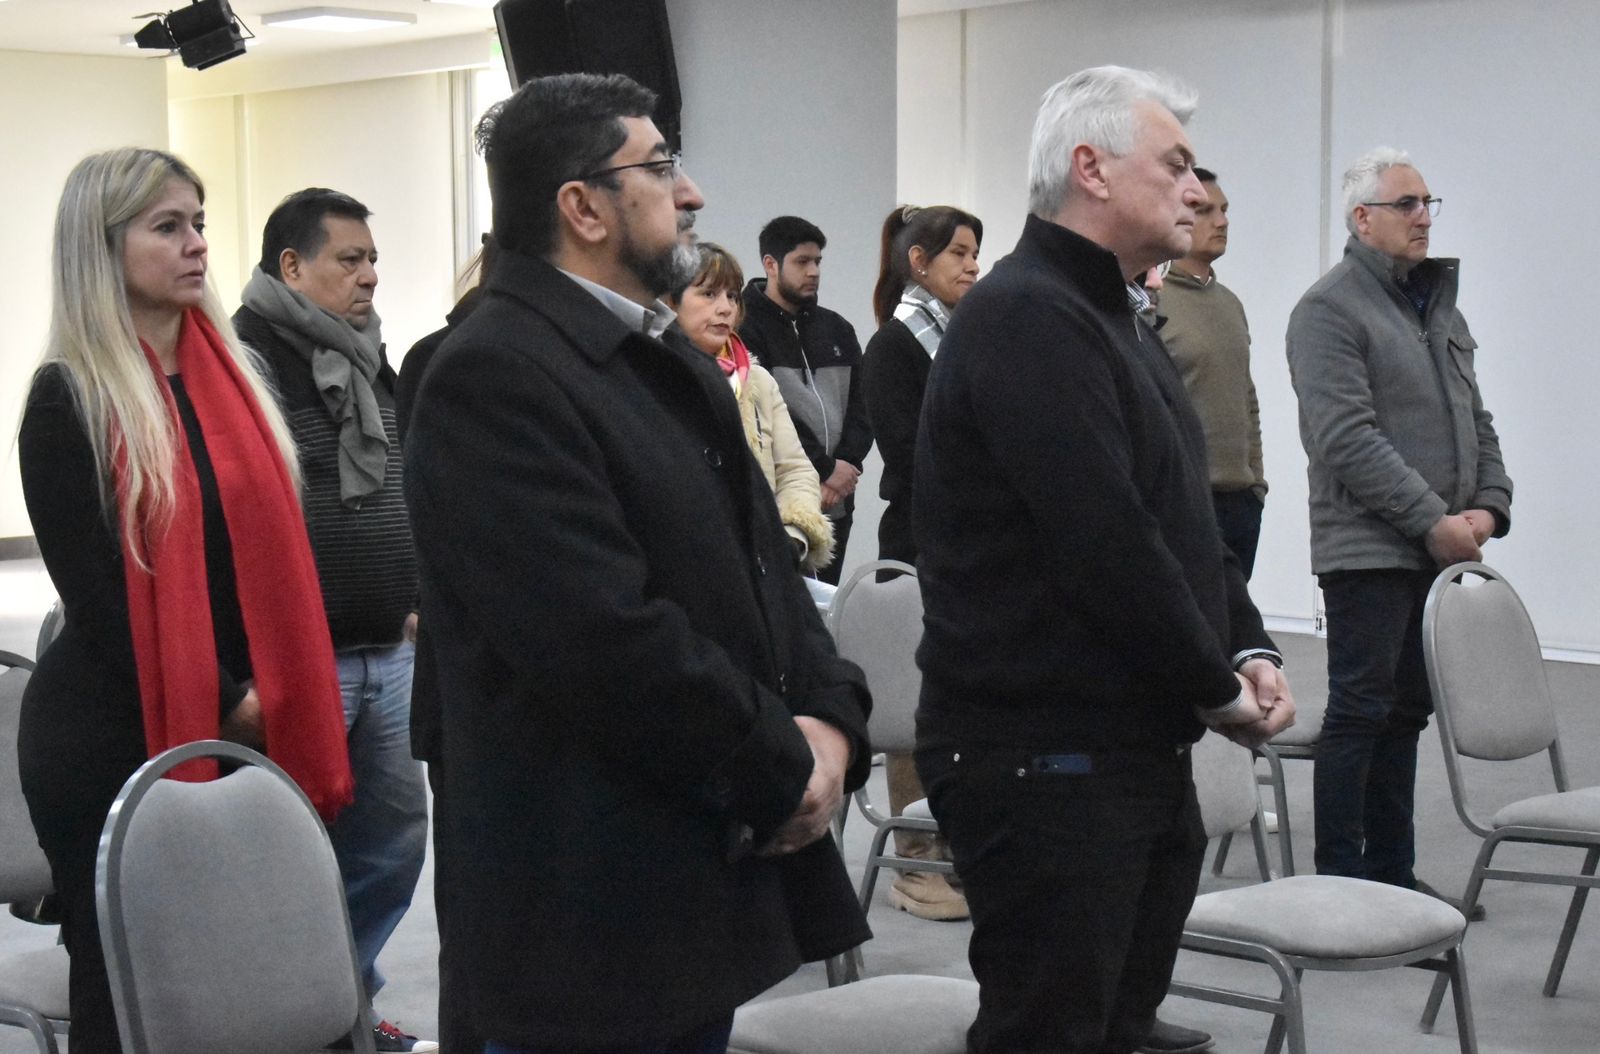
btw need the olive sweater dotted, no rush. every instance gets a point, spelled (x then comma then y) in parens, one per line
(1209, 339)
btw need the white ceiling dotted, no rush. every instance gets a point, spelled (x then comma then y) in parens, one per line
(92, 27)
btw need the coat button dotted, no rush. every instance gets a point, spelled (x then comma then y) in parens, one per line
(761, 565)
(713, 457)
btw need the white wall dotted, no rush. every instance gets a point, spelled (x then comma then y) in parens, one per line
(385, 142)
(790, 108)
(1290, 93)
(54, 110)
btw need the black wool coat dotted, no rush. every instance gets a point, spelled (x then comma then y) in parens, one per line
(620, 644)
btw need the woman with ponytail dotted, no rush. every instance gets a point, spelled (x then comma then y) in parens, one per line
(163, 490)
(929, 261)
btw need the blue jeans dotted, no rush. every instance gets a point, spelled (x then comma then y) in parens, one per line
(381, 838)
(713, 1039)
(1378, 703)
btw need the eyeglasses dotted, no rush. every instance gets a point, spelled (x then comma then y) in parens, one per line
(671, 167)
(1410, 205)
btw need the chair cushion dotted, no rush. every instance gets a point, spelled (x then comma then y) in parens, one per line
(1575, 810)
(918, 809)
(36, 980)
(1326, 917)
(899, 1014)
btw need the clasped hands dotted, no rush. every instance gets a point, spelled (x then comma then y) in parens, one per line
(1266, 706)
(830, 755)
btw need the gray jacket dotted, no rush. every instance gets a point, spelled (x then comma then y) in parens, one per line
(1390, 415)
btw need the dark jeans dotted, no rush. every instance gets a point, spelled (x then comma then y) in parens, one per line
(1239, 519)
(1378, 703)
(713, 1039)
(841, 538)
(1079, 886)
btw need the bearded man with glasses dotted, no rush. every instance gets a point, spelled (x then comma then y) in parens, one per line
(1406, 478)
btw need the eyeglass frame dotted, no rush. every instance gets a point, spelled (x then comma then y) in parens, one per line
(672, 164)
(1430, 203)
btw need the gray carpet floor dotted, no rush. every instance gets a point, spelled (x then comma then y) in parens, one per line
(1345, 1012)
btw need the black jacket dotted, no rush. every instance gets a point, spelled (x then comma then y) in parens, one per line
(1077, 592)
(620, 643)
(813, 355)
(894, 375)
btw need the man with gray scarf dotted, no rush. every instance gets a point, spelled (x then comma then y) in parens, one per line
(308, 312)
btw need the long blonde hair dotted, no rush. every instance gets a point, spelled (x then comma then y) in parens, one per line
(93, 339)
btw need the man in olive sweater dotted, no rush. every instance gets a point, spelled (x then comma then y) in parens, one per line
(1209, 339)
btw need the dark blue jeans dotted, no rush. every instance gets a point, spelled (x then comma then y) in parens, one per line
(1079, 884)
(1378, 703)
(713, 1039)
(1239, 520)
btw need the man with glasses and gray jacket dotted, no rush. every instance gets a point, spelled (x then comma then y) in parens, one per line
(1406, 478)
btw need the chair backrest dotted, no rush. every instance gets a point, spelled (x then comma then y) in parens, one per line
(222, 913)
(1224, 784)
(24, 872)
(1485, 667)
(878, 625)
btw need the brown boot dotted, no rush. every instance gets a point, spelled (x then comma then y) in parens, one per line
(927, 895)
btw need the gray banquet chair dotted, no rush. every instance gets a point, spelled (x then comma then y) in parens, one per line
(1493, 703)
(877, 625)
(222, 914)
(895, 1014)
(1298, 742)
(33, 984)
(1309, 922)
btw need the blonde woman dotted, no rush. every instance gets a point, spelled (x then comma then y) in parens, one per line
(709, 311)
(162, 487)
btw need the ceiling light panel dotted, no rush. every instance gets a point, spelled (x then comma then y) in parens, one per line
(337, 19)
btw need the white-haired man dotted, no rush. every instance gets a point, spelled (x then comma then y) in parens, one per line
(1084, 624)
(1406, 478)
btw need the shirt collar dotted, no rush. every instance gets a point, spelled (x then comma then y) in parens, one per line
(652, 321)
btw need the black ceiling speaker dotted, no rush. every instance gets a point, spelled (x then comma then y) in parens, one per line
(545, 37)
(204, 34)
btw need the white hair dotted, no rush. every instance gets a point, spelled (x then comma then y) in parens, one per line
(1093, 106)
(1361, 178)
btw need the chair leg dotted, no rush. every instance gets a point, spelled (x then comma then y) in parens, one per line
(1222, 853)
(1559, 963)
(869, 878)
(1280, 802)
(1291, 1021)
(43, 1036)
(1466, 1031)
(1258, 835)
(1469, 899)
(844, 968)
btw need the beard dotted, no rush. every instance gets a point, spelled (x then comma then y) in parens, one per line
(793, 294)
(666, 270)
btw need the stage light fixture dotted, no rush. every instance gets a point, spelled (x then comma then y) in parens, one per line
(203, 34)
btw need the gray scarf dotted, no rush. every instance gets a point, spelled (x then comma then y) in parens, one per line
(924, 316)
(344, 363)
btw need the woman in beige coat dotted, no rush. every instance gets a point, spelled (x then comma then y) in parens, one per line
(709, 312)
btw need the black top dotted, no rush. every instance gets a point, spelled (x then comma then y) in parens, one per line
(1076, 589)
(365, 562)
(895, 374)
(93, 656)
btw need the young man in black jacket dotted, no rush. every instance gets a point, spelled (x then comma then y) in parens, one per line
(813, 353)
(1084, 621)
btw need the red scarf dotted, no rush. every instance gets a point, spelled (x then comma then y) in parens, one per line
(734, 358)
(169, 610)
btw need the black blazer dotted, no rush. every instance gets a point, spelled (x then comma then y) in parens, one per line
(620, 643)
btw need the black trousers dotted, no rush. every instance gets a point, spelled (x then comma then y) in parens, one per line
(1079, 883)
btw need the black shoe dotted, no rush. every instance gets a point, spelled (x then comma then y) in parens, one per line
(1166, 1038)
(1478, 914)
